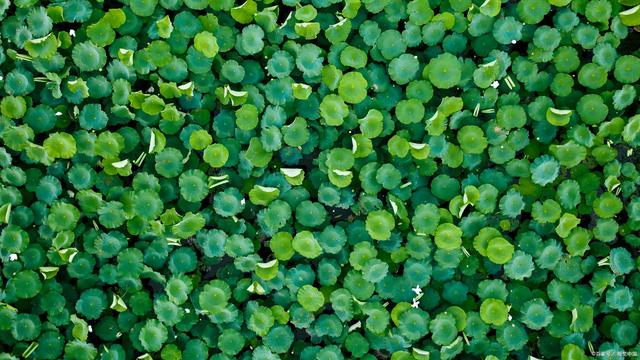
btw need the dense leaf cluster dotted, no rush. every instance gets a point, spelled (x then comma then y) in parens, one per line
(319, 179)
